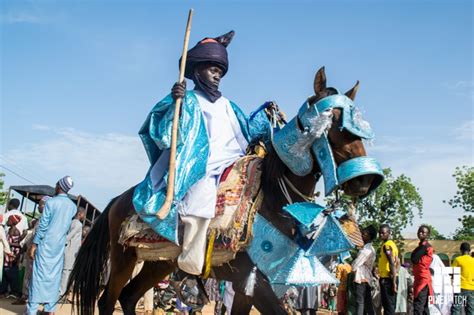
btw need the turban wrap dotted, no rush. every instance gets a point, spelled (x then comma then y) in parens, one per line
(208, 50)
(13, 220)
(66, 183)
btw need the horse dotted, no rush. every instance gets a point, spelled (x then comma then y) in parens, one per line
(102, 244)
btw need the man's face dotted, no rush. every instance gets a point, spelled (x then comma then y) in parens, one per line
(384, 234)
(41, 206)
(365, 236)
(423, 233)
(81, 215)
(211, 73)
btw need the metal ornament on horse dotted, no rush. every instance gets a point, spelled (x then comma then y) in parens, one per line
(165, 209)
(315, 120)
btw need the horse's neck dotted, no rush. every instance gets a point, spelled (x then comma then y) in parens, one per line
(274, 198)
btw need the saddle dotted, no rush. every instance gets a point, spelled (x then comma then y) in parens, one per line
(238, 199)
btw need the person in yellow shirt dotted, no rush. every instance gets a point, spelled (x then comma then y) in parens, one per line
(342, 271)
(465, 299)
(388, 270)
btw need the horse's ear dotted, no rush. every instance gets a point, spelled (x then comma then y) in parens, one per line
(226, 38)
(352, 92)
(320, 82)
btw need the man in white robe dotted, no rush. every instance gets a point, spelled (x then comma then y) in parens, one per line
(73, 243)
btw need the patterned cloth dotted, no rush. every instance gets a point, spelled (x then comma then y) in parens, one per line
(10, 261)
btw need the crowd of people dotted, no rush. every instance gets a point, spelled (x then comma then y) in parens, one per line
(376, 283)
(38, 255)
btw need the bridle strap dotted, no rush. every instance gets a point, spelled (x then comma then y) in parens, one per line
(284, 190)
(283, 181)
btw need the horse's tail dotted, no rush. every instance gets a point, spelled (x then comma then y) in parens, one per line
(91, 262)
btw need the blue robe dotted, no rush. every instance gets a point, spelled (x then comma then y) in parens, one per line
(50, 239)
(192, 152)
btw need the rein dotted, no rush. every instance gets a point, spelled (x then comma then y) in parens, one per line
(284, 181)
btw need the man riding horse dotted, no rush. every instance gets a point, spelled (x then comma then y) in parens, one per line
(213, 134)
(324, 140)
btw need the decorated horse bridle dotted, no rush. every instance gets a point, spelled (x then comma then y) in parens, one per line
(294, 144)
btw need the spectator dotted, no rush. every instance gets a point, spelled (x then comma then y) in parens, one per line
(443, 304)
(332, 292)
(307, 300)
(10, 266)
(342, 271)
(85, 230)
(26, 245)
(12, 207)
(421, 259)
(47, 250)
(388, 262)
(4, 247)
(362, 267)
(465, 299)
(404, 282)
(73, 243)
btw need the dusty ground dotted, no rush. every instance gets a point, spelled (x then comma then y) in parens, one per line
(6, 308)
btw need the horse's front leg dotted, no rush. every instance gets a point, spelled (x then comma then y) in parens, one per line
(241, 305)
(237, 271)
(151, 273)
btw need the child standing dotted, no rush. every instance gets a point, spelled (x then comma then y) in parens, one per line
(10, 264)
(332, 292)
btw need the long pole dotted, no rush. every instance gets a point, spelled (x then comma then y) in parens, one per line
(165, 209)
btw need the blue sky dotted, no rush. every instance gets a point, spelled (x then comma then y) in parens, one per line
(79, 77)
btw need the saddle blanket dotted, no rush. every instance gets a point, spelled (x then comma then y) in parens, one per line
(238, 199)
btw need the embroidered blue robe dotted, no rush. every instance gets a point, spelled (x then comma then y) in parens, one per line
(192, 152)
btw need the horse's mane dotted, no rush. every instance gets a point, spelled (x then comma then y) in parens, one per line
(273, 169)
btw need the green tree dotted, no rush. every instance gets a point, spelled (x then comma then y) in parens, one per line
(435, 234)
(3, 194)
(394, 202)
(464, 199)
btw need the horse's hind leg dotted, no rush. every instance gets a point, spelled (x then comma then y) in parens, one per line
(122, 260)
(122, 264)
(151, 273)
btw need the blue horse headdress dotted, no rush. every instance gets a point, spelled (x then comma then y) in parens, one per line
(296, 145)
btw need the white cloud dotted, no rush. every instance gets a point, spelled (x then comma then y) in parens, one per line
(462, 88)
(20, 17)
(465, 131)
(102, 165)
(41, 127)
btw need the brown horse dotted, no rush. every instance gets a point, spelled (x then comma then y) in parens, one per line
(101, 243)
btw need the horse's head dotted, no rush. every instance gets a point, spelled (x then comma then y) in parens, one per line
(326, 138)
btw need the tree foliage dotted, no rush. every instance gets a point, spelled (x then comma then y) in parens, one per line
(3, 194)
(435, 234)
(464, 199)
(395, 202)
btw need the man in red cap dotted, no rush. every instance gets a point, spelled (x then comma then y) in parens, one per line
(10, 271)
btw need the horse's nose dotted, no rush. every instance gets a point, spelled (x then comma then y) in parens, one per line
(358, 186)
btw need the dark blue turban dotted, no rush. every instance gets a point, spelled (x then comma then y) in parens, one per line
(209, 50)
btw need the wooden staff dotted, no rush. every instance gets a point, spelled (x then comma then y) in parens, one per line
(165, 209)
